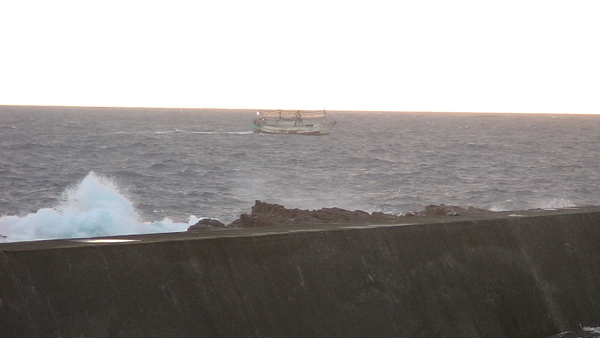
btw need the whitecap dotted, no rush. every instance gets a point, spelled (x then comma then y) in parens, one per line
(93, 208)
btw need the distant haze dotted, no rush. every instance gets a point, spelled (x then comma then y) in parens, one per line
(462, 56)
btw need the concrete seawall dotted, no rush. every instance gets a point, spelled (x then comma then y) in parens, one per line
(514, 274)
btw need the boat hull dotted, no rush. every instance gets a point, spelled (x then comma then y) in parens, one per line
(292, 122)
(318, 129)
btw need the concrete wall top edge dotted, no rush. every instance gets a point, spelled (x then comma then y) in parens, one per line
(282, 230)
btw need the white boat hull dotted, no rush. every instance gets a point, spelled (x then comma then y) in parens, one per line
(285, 127)
(292, 122)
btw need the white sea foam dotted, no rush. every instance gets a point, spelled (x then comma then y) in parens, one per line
(95, 207)
(536, 203)
(554, 203)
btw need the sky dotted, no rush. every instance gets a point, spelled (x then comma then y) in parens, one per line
(471, 56)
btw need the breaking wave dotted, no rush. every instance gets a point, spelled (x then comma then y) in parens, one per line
(95, 207)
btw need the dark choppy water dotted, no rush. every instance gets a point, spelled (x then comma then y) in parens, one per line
(155, 163)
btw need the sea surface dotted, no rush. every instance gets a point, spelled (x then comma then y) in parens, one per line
(83, 172)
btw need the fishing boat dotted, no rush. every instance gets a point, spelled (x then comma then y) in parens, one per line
(292, 122)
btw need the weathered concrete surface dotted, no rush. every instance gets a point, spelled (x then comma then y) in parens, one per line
(517, 274)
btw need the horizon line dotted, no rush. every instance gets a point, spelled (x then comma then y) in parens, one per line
(332, 110)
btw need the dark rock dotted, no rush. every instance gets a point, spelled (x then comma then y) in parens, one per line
(449, 210)
(378, 215)
(206, 224)
(265, 214)
(442, 210)
(254, 221)
(473, 210)
(328, 215)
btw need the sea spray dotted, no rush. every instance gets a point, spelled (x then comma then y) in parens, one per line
(534, 203)
(95, 207)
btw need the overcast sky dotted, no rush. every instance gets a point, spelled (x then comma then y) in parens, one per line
(486, 56)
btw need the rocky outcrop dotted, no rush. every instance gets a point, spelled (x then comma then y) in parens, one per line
(265, 214)
(206, 224)
(447, 210)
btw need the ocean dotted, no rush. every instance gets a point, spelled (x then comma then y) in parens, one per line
(70, 172)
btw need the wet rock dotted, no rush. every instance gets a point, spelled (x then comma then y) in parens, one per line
(448, 210)
(378, 215)
(253, 221)
(443, 210)
(266, 214)
(206, 224)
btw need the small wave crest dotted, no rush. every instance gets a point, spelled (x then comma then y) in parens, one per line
(248, 132)
(95, 207)
(542, 203)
